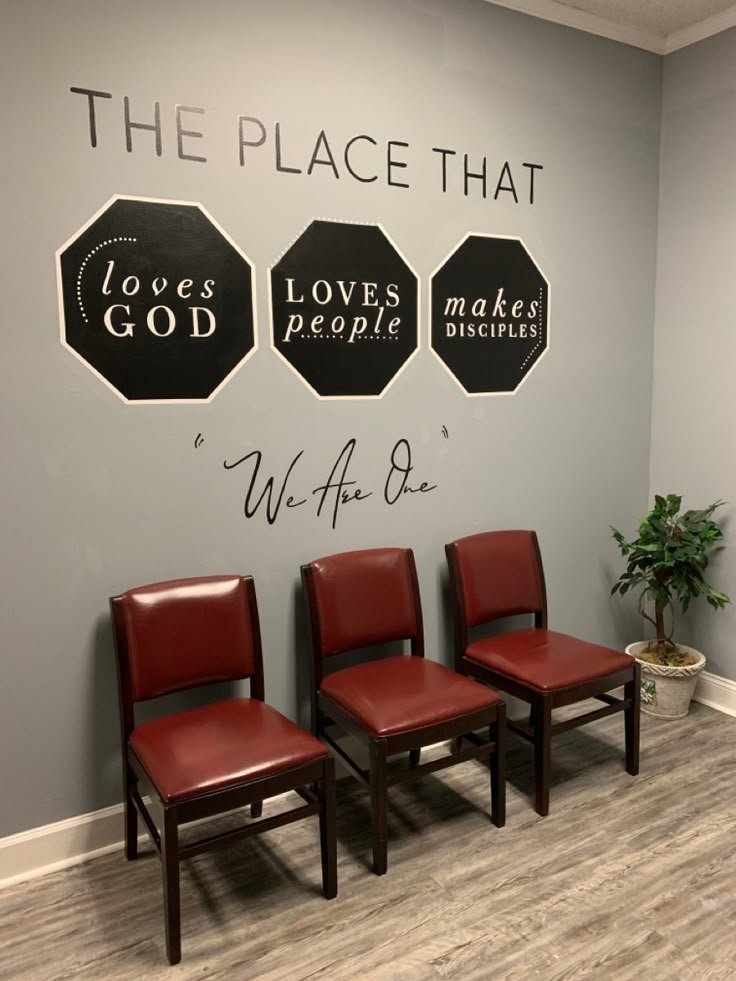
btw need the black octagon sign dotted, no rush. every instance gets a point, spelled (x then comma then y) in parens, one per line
(344, 309)
(489, 314)
(156, 300)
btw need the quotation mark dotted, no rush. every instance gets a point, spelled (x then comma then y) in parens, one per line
(445, 433)
(198, 441)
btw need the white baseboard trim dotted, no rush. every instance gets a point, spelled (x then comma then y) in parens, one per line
(716, 692)
(52, 847)
(60, 845)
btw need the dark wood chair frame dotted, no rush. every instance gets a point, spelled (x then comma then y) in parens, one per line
(314, 782)
(540, 729)
(326, 713)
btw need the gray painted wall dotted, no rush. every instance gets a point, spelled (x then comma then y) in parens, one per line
(694, 405)
(99, 496)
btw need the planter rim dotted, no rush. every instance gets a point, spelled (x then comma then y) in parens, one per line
(665, 670)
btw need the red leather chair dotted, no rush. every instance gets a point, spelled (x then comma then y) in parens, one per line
(394, 704)
(193, 764)
(499, 574)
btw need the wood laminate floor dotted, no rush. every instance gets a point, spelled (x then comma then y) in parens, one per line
(628, 877)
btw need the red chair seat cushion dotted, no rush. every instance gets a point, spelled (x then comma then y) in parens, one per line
(546, 660)
(220, 746)
(400, 694)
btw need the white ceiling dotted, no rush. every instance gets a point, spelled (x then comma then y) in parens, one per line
(656, 25)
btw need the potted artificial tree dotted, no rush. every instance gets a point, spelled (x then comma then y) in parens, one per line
(668, 559)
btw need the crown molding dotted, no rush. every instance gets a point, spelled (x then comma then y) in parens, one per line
(560, 13)
(699, 32)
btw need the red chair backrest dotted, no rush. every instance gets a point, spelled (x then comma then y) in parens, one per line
(187, 632)
(363, 598)
(500, 575)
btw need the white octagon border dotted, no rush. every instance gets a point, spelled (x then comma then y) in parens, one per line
(513, 238)
(302, 379)
(60, 295)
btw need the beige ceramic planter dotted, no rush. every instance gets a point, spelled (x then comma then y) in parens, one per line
(666, 692)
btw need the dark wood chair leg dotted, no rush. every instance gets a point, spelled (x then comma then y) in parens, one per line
(327, 833)
(378, 806)
(131, 821)
(498, 768)
(632, 690)
(542, 754)
(456, 744)
(170, 867)
(414, 757)
(256, 808)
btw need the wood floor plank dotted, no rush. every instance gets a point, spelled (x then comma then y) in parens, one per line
(628, 878)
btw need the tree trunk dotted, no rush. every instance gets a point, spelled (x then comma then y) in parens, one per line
(659, 621)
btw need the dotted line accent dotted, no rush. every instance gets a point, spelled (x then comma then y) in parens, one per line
(108, 241)
(539, 342)
(333, 221)
(338, 337)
